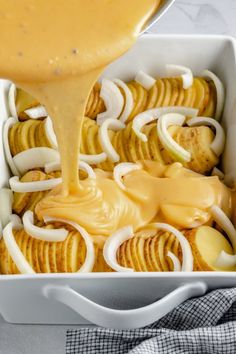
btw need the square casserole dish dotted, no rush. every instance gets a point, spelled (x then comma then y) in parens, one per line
(130, 300)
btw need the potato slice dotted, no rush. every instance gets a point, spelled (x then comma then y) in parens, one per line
(174, 91)
(37, 134)
(145, 145)
(131, 146)
(43, 138)
(134, 253)
(147, 255)
(3, 257)
(168, 247)
(91, 99)
(40, 255)
(152, 97)
(200, 94)
(211, 107)
(180, 99)
(160, 92)
(135, 98)
(129, 256)
(140, 101)
(31, 134)
(35, 259)
(154, 254)
(207, 243)
(81, 252)
(126, 140)
(168, 92)
(86, 124)
(154, 145)
(64, 254)
(46, 262)
(29, 251)
(90, 147)
(23, 137)
(24, 201)
(140, 253)
(69, 251)
(19, 234)
(94, 102)
(207, 92)
(161, 250)
(189, 96)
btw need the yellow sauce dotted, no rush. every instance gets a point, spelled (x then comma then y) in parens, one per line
(183, 200)
(56, 50)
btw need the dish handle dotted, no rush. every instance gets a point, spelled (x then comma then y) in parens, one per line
(123, 319)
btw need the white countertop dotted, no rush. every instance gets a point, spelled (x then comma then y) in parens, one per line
(186, 16)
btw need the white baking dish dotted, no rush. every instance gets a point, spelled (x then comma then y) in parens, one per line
(115, 299)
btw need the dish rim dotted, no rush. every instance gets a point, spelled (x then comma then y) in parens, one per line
(138, 275)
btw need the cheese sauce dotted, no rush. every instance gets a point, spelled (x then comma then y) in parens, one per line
(56, 51)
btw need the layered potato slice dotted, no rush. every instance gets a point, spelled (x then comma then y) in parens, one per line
(51, 257)
(150, 253)
(26, 135)
(165, 92)
(27, 201)
(197, 140)
(207, 243)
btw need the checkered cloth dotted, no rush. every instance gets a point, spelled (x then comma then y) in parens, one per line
(204, 325)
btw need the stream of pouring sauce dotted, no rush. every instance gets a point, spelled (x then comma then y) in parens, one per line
(56, 50)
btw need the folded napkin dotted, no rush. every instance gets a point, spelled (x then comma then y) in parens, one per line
(204, 325)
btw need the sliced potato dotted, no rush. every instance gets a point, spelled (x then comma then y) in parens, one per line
(206, 244)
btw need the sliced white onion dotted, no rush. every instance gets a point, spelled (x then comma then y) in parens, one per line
(105, 142)
(225, 260)
(224, 222)
(93, 159)
(6, 200)
(35, 158)
(7, 125)
(220, 90)
(29, 187)
(14, 250)
(12, 101)
(16, 220)
(39, 233)
(112, 244)
(56, 166)
(52, 166)
(129, 101)
(218, 143)
(175, 260)
(145, 80)
(122, 169)
(179, 70)
(167, 141)
(187, 263)
(50, 133)
(218, 173)
(152, 114)
(36, 112)
(90, 252)
(113, 100)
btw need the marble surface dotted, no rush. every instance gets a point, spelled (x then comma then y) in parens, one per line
(200, 17)
(186, 16)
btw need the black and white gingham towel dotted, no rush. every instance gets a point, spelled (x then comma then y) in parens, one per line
(205, 325)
